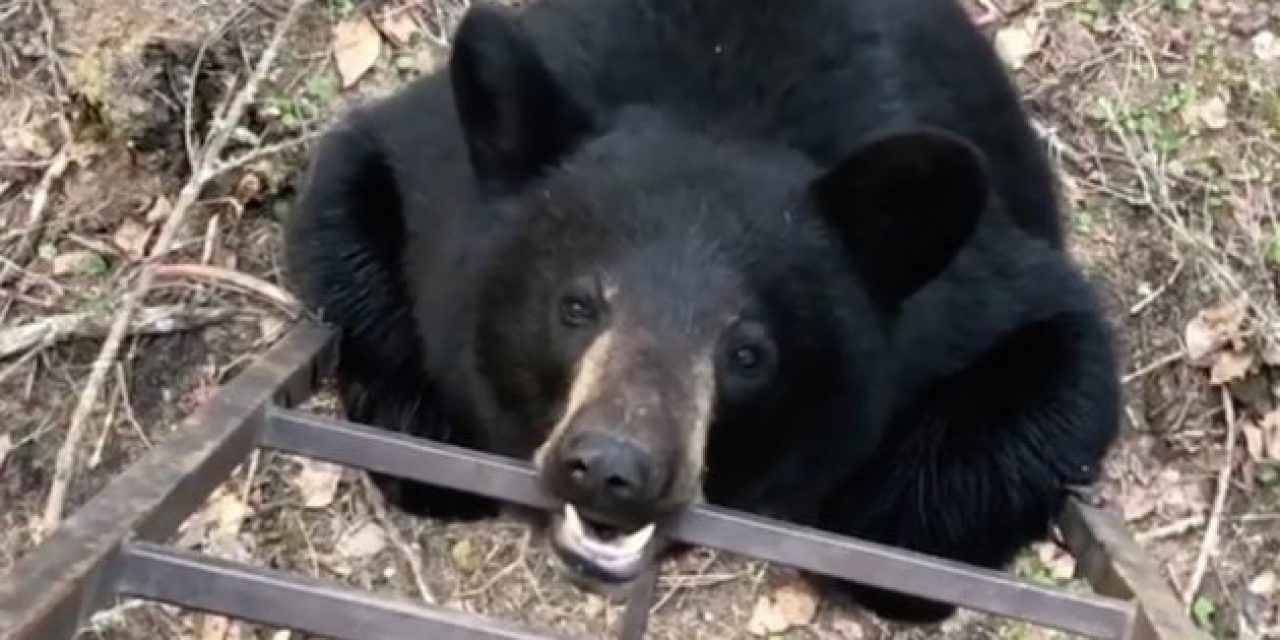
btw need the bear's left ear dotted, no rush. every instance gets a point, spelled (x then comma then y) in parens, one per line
(904, 204)
(515, 116)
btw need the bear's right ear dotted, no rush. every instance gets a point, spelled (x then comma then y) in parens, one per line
(515, 116)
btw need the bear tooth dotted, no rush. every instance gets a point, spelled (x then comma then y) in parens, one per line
(573, 523)
(634, 544)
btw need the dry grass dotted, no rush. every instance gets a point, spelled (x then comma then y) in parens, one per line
(1163, 116)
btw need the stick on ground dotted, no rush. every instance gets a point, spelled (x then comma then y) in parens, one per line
(203, 172)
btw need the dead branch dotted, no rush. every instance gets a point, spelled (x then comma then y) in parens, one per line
(36, 214)
(1210, 540)
(220, 131)
(235, 279)
(53, 329)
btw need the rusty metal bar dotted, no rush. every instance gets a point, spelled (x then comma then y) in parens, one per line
(1113, 563)
(804, 548)
(52, 591)
(286, 601)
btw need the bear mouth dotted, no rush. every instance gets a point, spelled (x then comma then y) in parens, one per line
(599, 555)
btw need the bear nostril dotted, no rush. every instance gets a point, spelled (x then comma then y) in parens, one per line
(619, 487)
(578, 471)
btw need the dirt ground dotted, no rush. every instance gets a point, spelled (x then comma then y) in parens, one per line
(1163, 117)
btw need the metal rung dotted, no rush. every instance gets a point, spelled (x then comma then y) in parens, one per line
(277, 599)
(808, 549)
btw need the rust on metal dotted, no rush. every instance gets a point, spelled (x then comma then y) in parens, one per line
(52, 591)
(105, 549)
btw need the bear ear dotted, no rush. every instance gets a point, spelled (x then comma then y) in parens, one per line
(514, 115)
(904, 204)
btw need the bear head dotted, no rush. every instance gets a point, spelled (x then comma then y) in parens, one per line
(665, 309)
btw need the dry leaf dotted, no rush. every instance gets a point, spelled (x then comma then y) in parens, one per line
(1211, 113)
(318, 483)
(1270, 426)
(1212, 329)
(1266, 47)
(399, 27)
(6, 446)
(131, 237)
(1230, 366)
(791, 606)
(362, 542)
(844, 627)
(1254, 441)
(1016, 42)
(72, 262)
(463, 554)
(1137, 503)
(214, 627)
(159, 210)
(356, 44)
(229, 513)
(1264, 584)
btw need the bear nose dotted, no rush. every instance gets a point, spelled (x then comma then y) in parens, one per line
(606, 469)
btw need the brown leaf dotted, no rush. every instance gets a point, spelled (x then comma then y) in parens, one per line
(364, 541)
(1270, 426)
(1230, 366)
(1264, 584)
(159, 210)
(1016, 42)
(790, 606)
(356, 45)
(76, 261)
(1212, 329)
(6, 446)
(1212, 114)
(131, 237)
(1137, 503)
(399, 27)
(464, 555)
(844, 627)
(1254, 441)
(318, 483)
(213, 627)
(1266, 46)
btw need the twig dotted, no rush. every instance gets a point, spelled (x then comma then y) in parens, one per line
(39, 209)
(1219, 502)
(251, 157)
(237, 279)
(408, 553)
(1164, 360)
(88, 324)
(1175, 528)
(64, 466)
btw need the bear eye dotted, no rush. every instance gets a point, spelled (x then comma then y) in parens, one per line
(576, 311)
(747, 358)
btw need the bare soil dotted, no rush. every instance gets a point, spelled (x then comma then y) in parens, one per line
(1163, 117)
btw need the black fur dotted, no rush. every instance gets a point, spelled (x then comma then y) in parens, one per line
(854, 177)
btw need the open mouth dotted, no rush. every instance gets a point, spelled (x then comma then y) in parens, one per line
(604, 555)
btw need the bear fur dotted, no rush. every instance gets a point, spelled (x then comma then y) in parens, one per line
(855, 177)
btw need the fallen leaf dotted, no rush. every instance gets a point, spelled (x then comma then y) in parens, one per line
(356, 45)
(844, 627)
(318, 483)
(1211, 330)
(6, 446)
(131, 237)
(229, 513)
(1264, 584)
(1230, 366)
(1016, 42)
(1254, 441)
(1270, 426)
(1266, 47)
(463, 554)
(399, 27)
(790, 606)
(362, 542)
(78, 261)
(1212, 113)
(159, 210)
(1137, 503)
(213, 627)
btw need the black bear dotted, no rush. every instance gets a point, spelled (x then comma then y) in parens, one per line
(798, 258)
